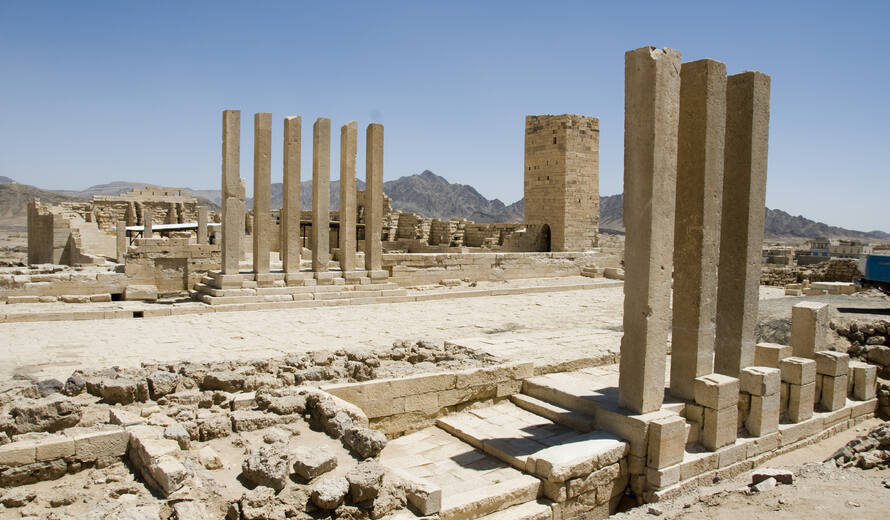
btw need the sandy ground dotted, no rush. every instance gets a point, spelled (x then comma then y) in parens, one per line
(55, 349)
(819, 491)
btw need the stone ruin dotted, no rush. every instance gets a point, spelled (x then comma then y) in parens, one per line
(340, 434)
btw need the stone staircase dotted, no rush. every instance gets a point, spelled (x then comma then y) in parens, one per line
(523, 459)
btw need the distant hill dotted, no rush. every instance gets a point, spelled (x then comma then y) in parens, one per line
(777, 224)
(4, 180)
(14, 198)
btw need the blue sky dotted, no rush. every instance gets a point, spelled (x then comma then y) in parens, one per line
(92, 92)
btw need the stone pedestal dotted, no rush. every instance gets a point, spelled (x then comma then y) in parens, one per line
(291, 248)
(809, 324)
(760, 389)
(321, 194)
(374, 198)
(719, 396)
(701, 132)
(741, 227)
(202, 236)
(652, 99)
(147, 223)
(798, 388)
(262, 179)
(232, 192)
(348, 145)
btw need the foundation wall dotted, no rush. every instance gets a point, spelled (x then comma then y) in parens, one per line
(170, 264)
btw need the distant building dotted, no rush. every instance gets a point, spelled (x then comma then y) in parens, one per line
(824, 247)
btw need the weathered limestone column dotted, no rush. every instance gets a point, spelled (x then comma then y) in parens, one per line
(232, 196)
(348, 146)
(291, 248)
(697, 223)
(262, 180)
(121, 242)
(809, 325)
(147, 223)
(651, 112)
(202, 225)
(741, 227)
(321, 194)
(374, 198)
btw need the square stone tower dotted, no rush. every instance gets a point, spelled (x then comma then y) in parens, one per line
(562, 180)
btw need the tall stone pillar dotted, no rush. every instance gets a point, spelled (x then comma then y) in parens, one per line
(651, 112)
(321, 194)
(202, 225)
(291, 248)
(374, 198)
(262, 180)
(348, 145)
(147, 224)
(741, 227)
(232, 192)
(121, 240)
(697, 223)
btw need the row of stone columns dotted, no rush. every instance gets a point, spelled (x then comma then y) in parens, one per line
(233, 209)
(694, 188)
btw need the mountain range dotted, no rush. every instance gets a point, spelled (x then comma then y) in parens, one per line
(425, 194)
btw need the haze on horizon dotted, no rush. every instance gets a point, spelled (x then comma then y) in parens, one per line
(107, 91)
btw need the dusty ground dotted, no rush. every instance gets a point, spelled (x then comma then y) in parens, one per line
(13, 244)
(819, 491)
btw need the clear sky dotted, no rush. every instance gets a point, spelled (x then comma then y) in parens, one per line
(92, 92)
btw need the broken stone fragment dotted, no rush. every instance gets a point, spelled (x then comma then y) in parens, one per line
(227, 381)
(364, 441)
(365, 481)
(310, 462)
(161, 383)
(266, 466)
(17, 497)
(214, 427)
(178, 433)
(49, 414)
(782, 476)
(260, 504)
(337, 425)
(208, 458)
(329, 492)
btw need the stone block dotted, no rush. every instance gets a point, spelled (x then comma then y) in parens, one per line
(54, 447)
(798, 371)
(760, 380)
(716, 391)
(763, 415)
(831, 363)
(667, 440)
(864, 378)
(662, 478)
(90, 446)
(17, 454)
(141, 292)
(809, 325)
(720, 427)
(834, 392)
(801, 399)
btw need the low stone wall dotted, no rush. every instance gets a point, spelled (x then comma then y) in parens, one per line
(833, 270)
(403, 405)
(49, 283)
(411, 269)
(170, 264)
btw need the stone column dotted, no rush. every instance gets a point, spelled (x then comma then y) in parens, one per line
(697, 223)
(651, 112)
(262, 179)
(348, 145)
(809, 325)
(374, 198)
(290, 210)
(147, 223)
(202, 225)
(121, 235)
(232, 192)
(741, 227)
(321, 194)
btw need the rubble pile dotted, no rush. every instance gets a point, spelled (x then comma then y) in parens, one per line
(870, 451)
(833, 270)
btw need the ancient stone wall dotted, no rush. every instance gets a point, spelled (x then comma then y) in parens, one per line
(171, 264)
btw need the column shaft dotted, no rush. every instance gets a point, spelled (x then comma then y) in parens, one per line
(652, 99)
(202, 225)
(121, 240)
(262, 179)
(697, 223)
(374, 198)
(147, 223)
(291, 248)
(348, 146)
(232, 211)
(741, 227)
(321, 194)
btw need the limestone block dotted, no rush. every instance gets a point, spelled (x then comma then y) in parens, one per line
(834, 392)
(763, 414)
(667, 439)
(760, 380)
(864, 378)
(801, 399)
(831, 363)
(769, 354)
(54, 447)
(90, 446)
(720, 427)
(141, 292)
(17, 454)
(809, 324)
(716, 391)
(798, 371)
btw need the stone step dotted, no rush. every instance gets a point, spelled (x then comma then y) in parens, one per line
(568, 418)
(527, 511)
(534, 444)
(560, 390)
(484, 501)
